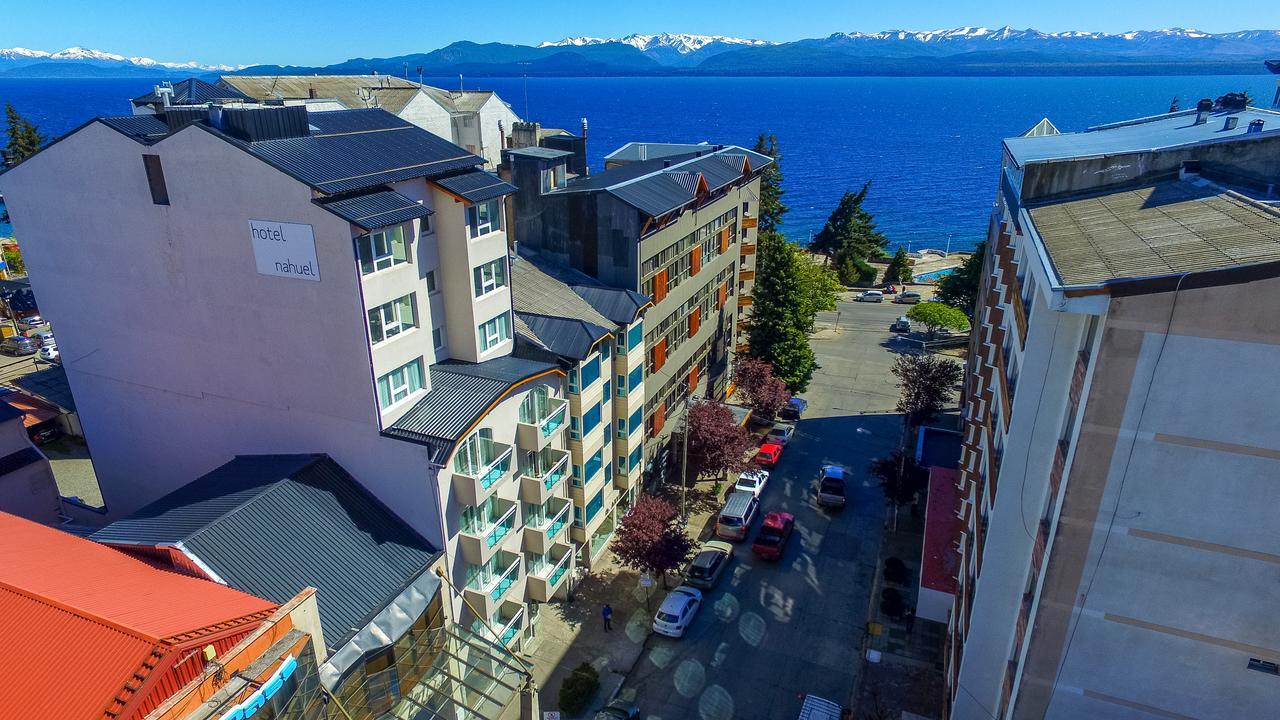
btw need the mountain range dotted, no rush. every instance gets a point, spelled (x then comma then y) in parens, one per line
(957, 51)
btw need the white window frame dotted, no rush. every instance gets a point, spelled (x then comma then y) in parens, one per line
(492, 222)
(489, 277)
(389, 318)
(398, 384)
(385, 258)
(495, 336)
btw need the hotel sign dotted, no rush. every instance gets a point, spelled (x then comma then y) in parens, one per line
(285, 249)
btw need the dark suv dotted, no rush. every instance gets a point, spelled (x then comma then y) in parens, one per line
(18, 345)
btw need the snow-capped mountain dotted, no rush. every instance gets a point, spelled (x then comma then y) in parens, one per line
(682, 43)
(13, 59)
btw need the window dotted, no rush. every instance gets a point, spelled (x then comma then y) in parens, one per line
(620, 338)
(608, 472)
(622, 429)
(622, 463)
(573, 380)
(484, 218)
(608, 391)
(622, 386)
(637, 456)
(390, 319)
(494, 332)
(431, 282)
(577, 516)
(604, 351)
(577, 475)
(591, 418)
(637, 418)
(596, 504)
(552, 178)
(590, 371)
(575, 431)
(381, 250)
(437, 338)
(399, 383)
(490, 276)
(636, 378)
(155, 179)
(592, 466)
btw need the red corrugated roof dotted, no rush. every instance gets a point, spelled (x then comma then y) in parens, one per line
(940, 559)
(86, 627)
(34, 411)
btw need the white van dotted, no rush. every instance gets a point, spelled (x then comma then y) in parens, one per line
(736, 515)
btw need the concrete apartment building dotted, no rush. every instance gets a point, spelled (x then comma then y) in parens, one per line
(596, 334)
(477, 120)
(1117, 478)
(670, 222)
(312, 282)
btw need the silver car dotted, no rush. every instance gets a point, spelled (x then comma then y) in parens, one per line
(677, 611)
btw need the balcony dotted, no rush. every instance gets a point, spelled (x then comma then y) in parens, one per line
(487, 587)
(477, 472)
(541, 473)
(511, 615)
(549, 579)
(537, 427)
(480, 537)
(748, 248)
(544, 528)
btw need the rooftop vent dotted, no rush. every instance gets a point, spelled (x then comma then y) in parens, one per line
(1265, 666)
(1203, 108)
(265, 123)
(1255, 126)
(1230, 123)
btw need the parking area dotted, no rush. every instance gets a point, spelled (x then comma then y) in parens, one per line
(772, 631)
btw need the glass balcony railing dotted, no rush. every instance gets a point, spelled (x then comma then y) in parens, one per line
(486, 461)
(554, 421)
(505, 581)
(557, 571)
(495, 584)
(512, 628)
(493, 528)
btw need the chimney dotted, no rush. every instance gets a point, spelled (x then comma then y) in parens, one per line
(584, 128)
(311, 91)
(1230, 123)
(1255, 126)
(165, 91)
(1203, 108)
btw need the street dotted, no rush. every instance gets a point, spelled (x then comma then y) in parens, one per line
(773, 631)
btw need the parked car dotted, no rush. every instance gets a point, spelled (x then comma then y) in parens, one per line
(794, 409)
(781, 434)
(18, 345)
(43, 338)
(902, 325)
(907, 297)
(42, 434)
(677, 611)
(49, 353)
(752, 481)
(776, 529)
(871, 296)
(816, 708)
(768, 454)
(709, 564)
(736, 516)
(889, 289)
(31, 322)
(831, 486)
(618, 710)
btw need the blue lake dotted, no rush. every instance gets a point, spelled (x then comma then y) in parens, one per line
(930, 146)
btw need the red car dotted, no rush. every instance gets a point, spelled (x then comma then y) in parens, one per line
(774, 533)
(768, 454)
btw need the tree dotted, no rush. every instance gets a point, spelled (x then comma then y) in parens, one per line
(717, 443)
(579, 689)
(764, 392)
(651, 539)
(899, 270)
(1233, 101)
(900, 476)
(851, 268)
(13, 260)
(960, 288)
(850, 229)
(926, 382)
(935, 316)
(771, 207)
(24, 138)
(782, 315)
(818, 289)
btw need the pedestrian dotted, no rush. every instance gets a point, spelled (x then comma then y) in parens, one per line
(910, 620)
(607, 613)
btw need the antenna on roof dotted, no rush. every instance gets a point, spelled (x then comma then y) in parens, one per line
(406, 72)
(419, 74)
(460, 86)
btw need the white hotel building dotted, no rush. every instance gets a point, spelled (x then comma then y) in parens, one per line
(240, 280)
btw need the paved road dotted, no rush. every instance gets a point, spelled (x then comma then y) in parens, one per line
(773, 631)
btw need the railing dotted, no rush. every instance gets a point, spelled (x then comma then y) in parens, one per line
(553, 421)
(558, 570)
(489, 473)
(502, 527)
(512, 628)
(558, 521)
(503, 582)
(555, 474)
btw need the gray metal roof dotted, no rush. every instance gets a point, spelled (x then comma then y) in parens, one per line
(475, 186)
(534, 290)
(619, 305)
(377, 209)
(636, 151)
(272, 525)
(194, 91)
(569, 338)
(614, 305)
(538, 152)
(143, 128)
(50, 385)
(461, 393)
(1144, 134)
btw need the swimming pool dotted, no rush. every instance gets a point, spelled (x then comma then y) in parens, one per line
(934, 276)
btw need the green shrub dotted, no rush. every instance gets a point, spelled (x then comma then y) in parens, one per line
(577, 690)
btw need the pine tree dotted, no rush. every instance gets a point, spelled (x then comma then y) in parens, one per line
(24, 138)
(960, 288)
(771, 207)
(781, 316)
(851, 230)
(899, 270)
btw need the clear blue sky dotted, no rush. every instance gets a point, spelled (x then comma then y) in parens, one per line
(318, 32)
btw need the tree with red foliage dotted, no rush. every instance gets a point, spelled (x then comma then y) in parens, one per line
(651, 539)
(764, 392)
(717, 443)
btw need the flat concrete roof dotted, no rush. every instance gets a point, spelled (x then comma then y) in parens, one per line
(1153, 133)
(1156, 230)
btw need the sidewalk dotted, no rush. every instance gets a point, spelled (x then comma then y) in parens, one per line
(572, 632)
(909, 676)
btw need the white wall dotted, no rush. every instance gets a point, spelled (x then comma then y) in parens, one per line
(180, 354)
(494, 114)
(429, 115)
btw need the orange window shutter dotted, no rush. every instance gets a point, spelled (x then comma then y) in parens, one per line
(659, 419)
(693, 377)
(695, 260)
(695, 321)
(724, 239)
(721, 293)
(659, 354)
(660, 286)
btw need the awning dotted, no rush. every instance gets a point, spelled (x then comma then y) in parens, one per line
(476, 186)
(377, 210)
(34, 412)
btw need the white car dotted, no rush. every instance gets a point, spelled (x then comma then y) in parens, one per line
(871, 296)
(31, 322)
(677, 611)
(781, 434)
(752, 481)
(49, 353)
